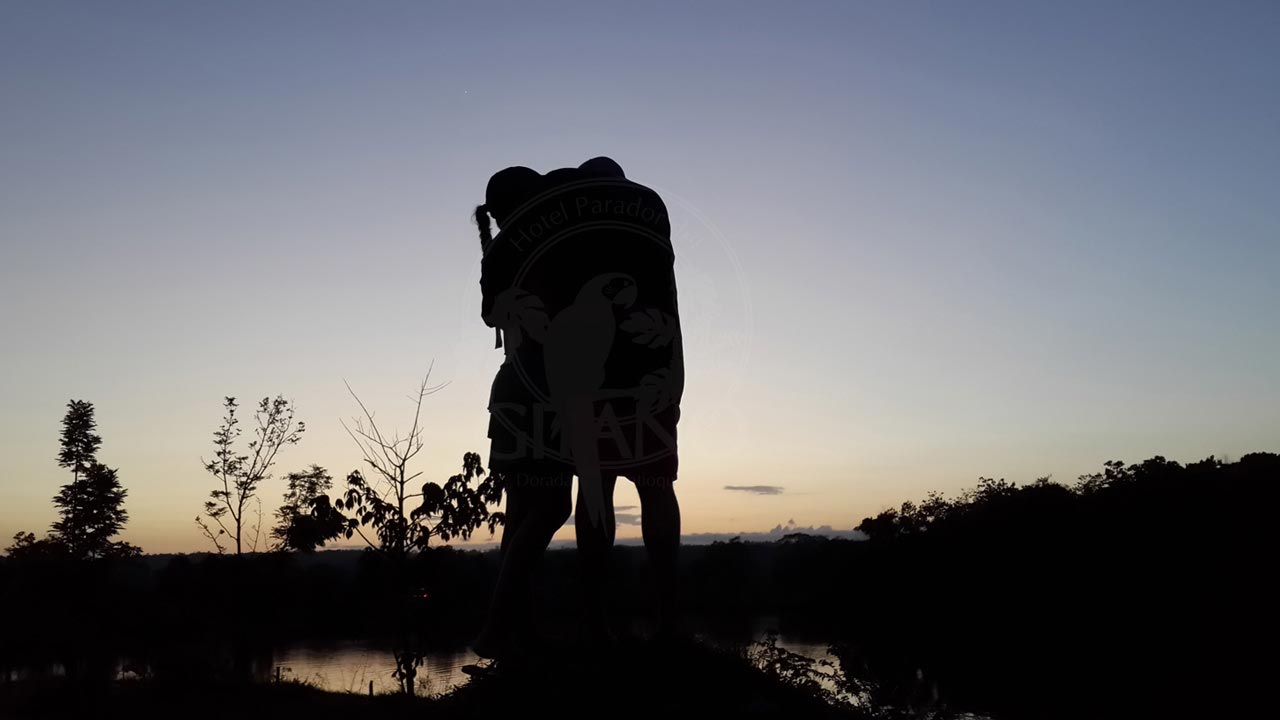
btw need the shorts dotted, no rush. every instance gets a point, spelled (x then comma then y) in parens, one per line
(525, 437)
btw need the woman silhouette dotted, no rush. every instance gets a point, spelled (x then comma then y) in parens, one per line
(539, 488)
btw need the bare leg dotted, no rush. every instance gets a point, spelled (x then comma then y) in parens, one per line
(545, 509)
(595, 544)
(660, 524)
(515, 513)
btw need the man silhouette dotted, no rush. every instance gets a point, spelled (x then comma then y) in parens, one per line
(639, 406)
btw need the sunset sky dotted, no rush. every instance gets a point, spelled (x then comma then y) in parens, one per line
(917, 243)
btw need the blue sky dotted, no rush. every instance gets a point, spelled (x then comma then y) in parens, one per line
(917, 242)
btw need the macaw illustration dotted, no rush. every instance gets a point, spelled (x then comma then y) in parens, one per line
(578, 339)
(575, 351)
(576, 347)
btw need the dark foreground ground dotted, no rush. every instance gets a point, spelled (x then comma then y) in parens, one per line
(1139, 591)
(639, 680)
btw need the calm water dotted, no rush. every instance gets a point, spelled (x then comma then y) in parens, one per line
(354, 666)
(338, 667)
(350, 667)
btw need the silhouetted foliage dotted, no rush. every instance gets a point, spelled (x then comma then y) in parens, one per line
(90, 507)
(79, 443)
(25, 545)
(92, 513)
(306, 519)
(386, 504)
(455, 509)
(1135, 591)
(402, 522)
(814, 678)
(239, 475)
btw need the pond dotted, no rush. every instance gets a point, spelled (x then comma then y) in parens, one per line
(352, 666)
(356, 665)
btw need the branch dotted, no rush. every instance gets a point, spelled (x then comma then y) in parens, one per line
(373, 425)
(257, 527)
(367, 542)
(209, 534)
(225, 529)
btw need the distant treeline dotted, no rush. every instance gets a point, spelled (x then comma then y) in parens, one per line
(1138, 591)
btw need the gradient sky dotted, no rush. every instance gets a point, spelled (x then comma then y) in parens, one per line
(917, 242)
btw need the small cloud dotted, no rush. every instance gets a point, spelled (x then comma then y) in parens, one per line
(777, 533)
(764, 536)
(756, 489)
(619, 516)
(627, 518)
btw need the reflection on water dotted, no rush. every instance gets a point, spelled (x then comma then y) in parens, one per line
(811, 650)
(336, 667)
(351, 667)
(361, 666)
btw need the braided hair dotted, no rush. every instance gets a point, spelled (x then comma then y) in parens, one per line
(486, 239)
(482, 222)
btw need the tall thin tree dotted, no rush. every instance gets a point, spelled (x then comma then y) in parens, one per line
(239, 475)
(78, 451)
(90, 507)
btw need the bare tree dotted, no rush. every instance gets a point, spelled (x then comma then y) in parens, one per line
(239, 475)
(403, 517)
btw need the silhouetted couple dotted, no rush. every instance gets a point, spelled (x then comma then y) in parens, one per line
(579, 285)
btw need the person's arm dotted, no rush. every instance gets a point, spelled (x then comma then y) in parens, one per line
(676, 369)
(486, 305)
